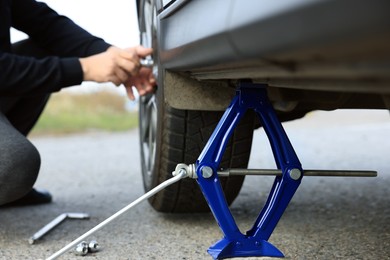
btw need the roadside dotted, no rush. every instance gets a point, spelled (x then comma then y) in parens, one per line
(76, 112)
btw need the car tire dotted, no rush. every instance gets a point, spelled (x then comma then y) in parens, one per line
(170, 136)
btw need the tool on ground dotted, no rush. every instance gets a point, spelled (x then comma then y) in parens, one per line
(93, 246)
(289, 174)
(55, 222)
(81, 249)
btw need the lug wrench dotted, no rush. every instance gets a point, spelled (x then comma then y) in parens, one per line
(55, 222)
(178, 175)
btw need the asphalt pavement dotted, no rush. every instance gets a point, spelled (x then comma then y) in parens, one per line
(328, 218)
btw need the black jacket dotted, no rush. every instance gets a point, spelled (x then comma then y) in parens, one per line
(21, 75)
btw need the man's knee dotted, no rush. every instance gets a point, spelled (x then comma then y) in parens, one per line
(19, 167)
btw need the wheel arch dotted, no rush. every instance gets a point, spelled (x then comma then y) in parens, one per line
(183, 92)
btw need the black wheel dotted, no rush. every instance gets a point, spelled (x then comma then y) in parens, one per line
(170, 136)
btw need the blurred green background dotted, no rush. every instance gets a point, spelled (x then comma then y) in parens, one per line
(68, 112)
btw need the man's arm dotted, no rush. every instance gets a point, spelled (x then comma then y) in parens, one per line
(22, 75)
(96, 60)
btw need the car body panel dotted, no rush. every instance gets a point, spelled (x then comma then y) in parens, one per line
(313, 45)
(248, 29)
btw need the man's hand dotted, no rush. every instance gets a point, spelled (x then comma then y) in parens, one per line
(120, 66)
(144, 83)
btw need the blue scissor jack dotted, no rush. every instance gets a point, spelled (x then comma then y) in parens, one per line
(254, 242)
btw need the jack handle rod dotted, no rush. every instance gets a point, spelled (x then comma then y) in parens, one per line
(163, 185)
(311, 173)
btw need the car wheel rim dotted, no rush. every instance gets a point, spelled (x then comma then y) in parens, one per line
(148, 129)
(148, 105)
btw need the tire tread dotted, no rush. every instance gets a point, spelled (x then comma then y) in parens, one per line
(184, 134)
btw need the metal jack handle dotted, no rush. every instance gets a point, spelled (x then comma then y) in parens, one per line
(254, 242)
(180, 174)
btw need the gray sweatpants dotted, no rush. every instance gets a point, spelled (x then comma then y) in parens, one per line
(19, 159)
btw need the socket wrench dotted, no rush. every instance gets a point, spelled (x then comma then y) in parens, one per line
(55, 222)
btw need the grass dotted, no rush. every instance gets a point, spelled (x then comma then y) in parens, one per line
(74, 113)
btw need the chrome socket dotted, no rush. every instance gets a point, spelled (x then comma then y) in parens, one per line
(82, 249)
(93, 246)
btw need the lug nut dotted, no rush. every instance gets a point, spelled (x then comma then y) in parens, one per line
(82, 249)
(93, 246)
